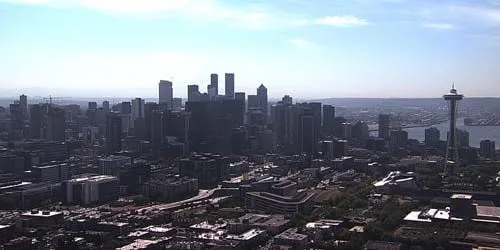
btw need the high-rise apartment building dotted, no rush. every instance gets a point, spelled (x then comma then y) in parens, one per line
(178, 127)
(166, 93)
(209, 169)
(305, 136)
(287, 99)
(283, 125)
(462, 138)
(137, 108)
(361, 131)
(92, 105)
(54, 173)
(193, 93)
(384, 125)
(105, 106)
(432, 137)
(90, 189)
(126, 108)
(229, 83)
(487, 149)
(398, 139)
(56, 124)
(346, 130)
(112, 164)
(16, 121)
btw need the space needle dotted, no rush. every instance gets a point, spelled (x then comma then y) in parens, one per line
(451, 147)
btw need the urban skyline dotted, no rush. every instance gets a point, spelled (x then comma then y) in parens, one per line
(221, 124)
(401, 48)
(231, 169)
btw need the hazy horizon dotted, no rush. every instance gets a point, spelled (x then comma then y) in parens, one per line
(307, 49)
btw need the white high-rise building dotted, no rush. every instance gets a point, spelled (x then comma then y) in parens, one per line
(166, 93)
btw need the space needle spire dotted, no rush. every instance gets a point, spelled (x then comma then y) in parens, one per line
(452, 160)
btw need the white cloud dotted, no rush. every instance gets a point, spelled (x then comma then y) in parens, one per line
(485, 14)
(304, 44)
(341, 21)
(204, 10)
(246, 16)
(438, 26)
(134, 6)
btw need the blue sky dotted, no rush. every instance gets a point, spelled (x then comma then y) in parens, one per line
(305, 48)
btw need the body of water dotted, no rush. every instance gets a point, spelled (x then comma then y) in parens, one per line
(476, 133)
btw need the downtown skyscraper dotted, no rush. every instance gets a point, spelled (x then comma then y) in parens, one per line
(229, 83)
(165, 93)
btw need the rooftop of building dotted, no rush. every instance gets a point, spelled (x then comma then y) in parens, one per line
(248, 235)
(324, 224)
(42, 214)
(205, 225)
(95, 178)
(155, 229)
(291, 234)
(429, 215)
(139, 244)
(461, 196)
(487, 211)
(262, 219)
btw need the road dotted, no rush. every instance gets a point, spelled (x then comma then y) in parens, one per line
(202, 194)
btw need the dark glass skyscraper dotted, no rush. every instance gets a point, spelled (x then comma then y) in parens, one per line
(262, 99)
(158, 129)
(328, 118)
(23, 102)
(37, 121)
(213, 88)
(113, 133)
(56, 124)
(229, 83)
